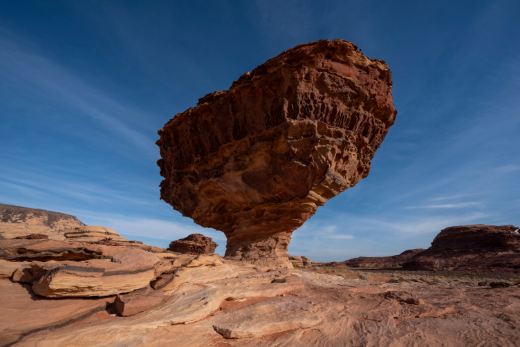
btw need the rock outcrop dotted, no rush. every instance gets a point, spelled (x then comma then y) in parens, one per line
(19, 222)
(380, 262)
(257, 160)
(475, 248)
(194, 244)
(94, 234)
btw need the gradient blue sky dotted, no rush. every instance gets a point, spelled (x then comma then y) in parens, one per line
(85, 85)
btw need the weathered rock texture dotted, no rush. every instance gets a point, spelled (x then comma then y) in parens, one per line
(380, 262)
(194, 244)
(18, 222)
(93, 234)
(257, 160)
(475, 248)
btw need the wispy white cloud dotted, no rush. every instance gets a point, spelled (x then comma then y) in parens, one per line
(447, 197)
(456, 205)
(340, 237)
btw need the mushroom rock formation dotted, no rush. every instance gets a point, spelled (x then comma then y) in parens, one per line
(257, 160)
(479, 248)
(194, 244)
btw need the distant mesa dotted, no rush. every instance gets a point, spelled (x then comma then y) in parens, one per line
(256, 161)
(474, 248)
(380, 262)
(194, 244)
(20, 222)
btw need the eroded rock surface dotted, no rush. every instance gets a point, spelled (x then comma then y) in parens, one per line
(475, 248)
(19, 222)
(194, 244)
(257, 160)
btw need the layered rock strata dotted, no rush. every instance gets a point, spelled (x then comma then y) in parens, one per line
(380, 262)
(257, 160)
(93, 234)
(475, 248)
(19, 222)
(194, 244)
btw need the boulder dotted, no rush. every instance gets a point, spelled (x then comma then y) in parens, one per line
(94, 234)
(194, 244)
(257, 160)
(98, 277)
(23, 273)
(473, 248)
(138, 301)
(20, 222)
(8, 268)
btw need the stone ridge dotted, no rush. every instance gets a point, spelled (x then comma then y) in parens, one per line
(16, 221)
(475, 248)
(257, 160)
(380, 262)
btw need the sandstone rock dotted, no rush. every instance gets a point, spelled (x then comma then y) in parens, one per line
(195, 275)
(306, 261)
(136, 258)
(16, 222)
(297, 261)
(98, 277)
(474, 248)
(380, 262)
(44, 250)
(138, 301)
(8, 268)
(23, 312)
(205, 260)
(405, 297)
(23, 273)
(249, 304)
(33, 237)
(194, 244)
(93, 234)
(274, 316)
(257, 160)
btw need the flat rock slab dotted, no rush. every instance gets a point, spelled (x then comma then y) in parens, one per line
(89, 278)
(45, 250)
(22, 312)
(273, 316)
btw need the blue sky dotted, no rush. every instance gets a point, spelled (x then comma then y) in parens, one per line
(85, 85)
